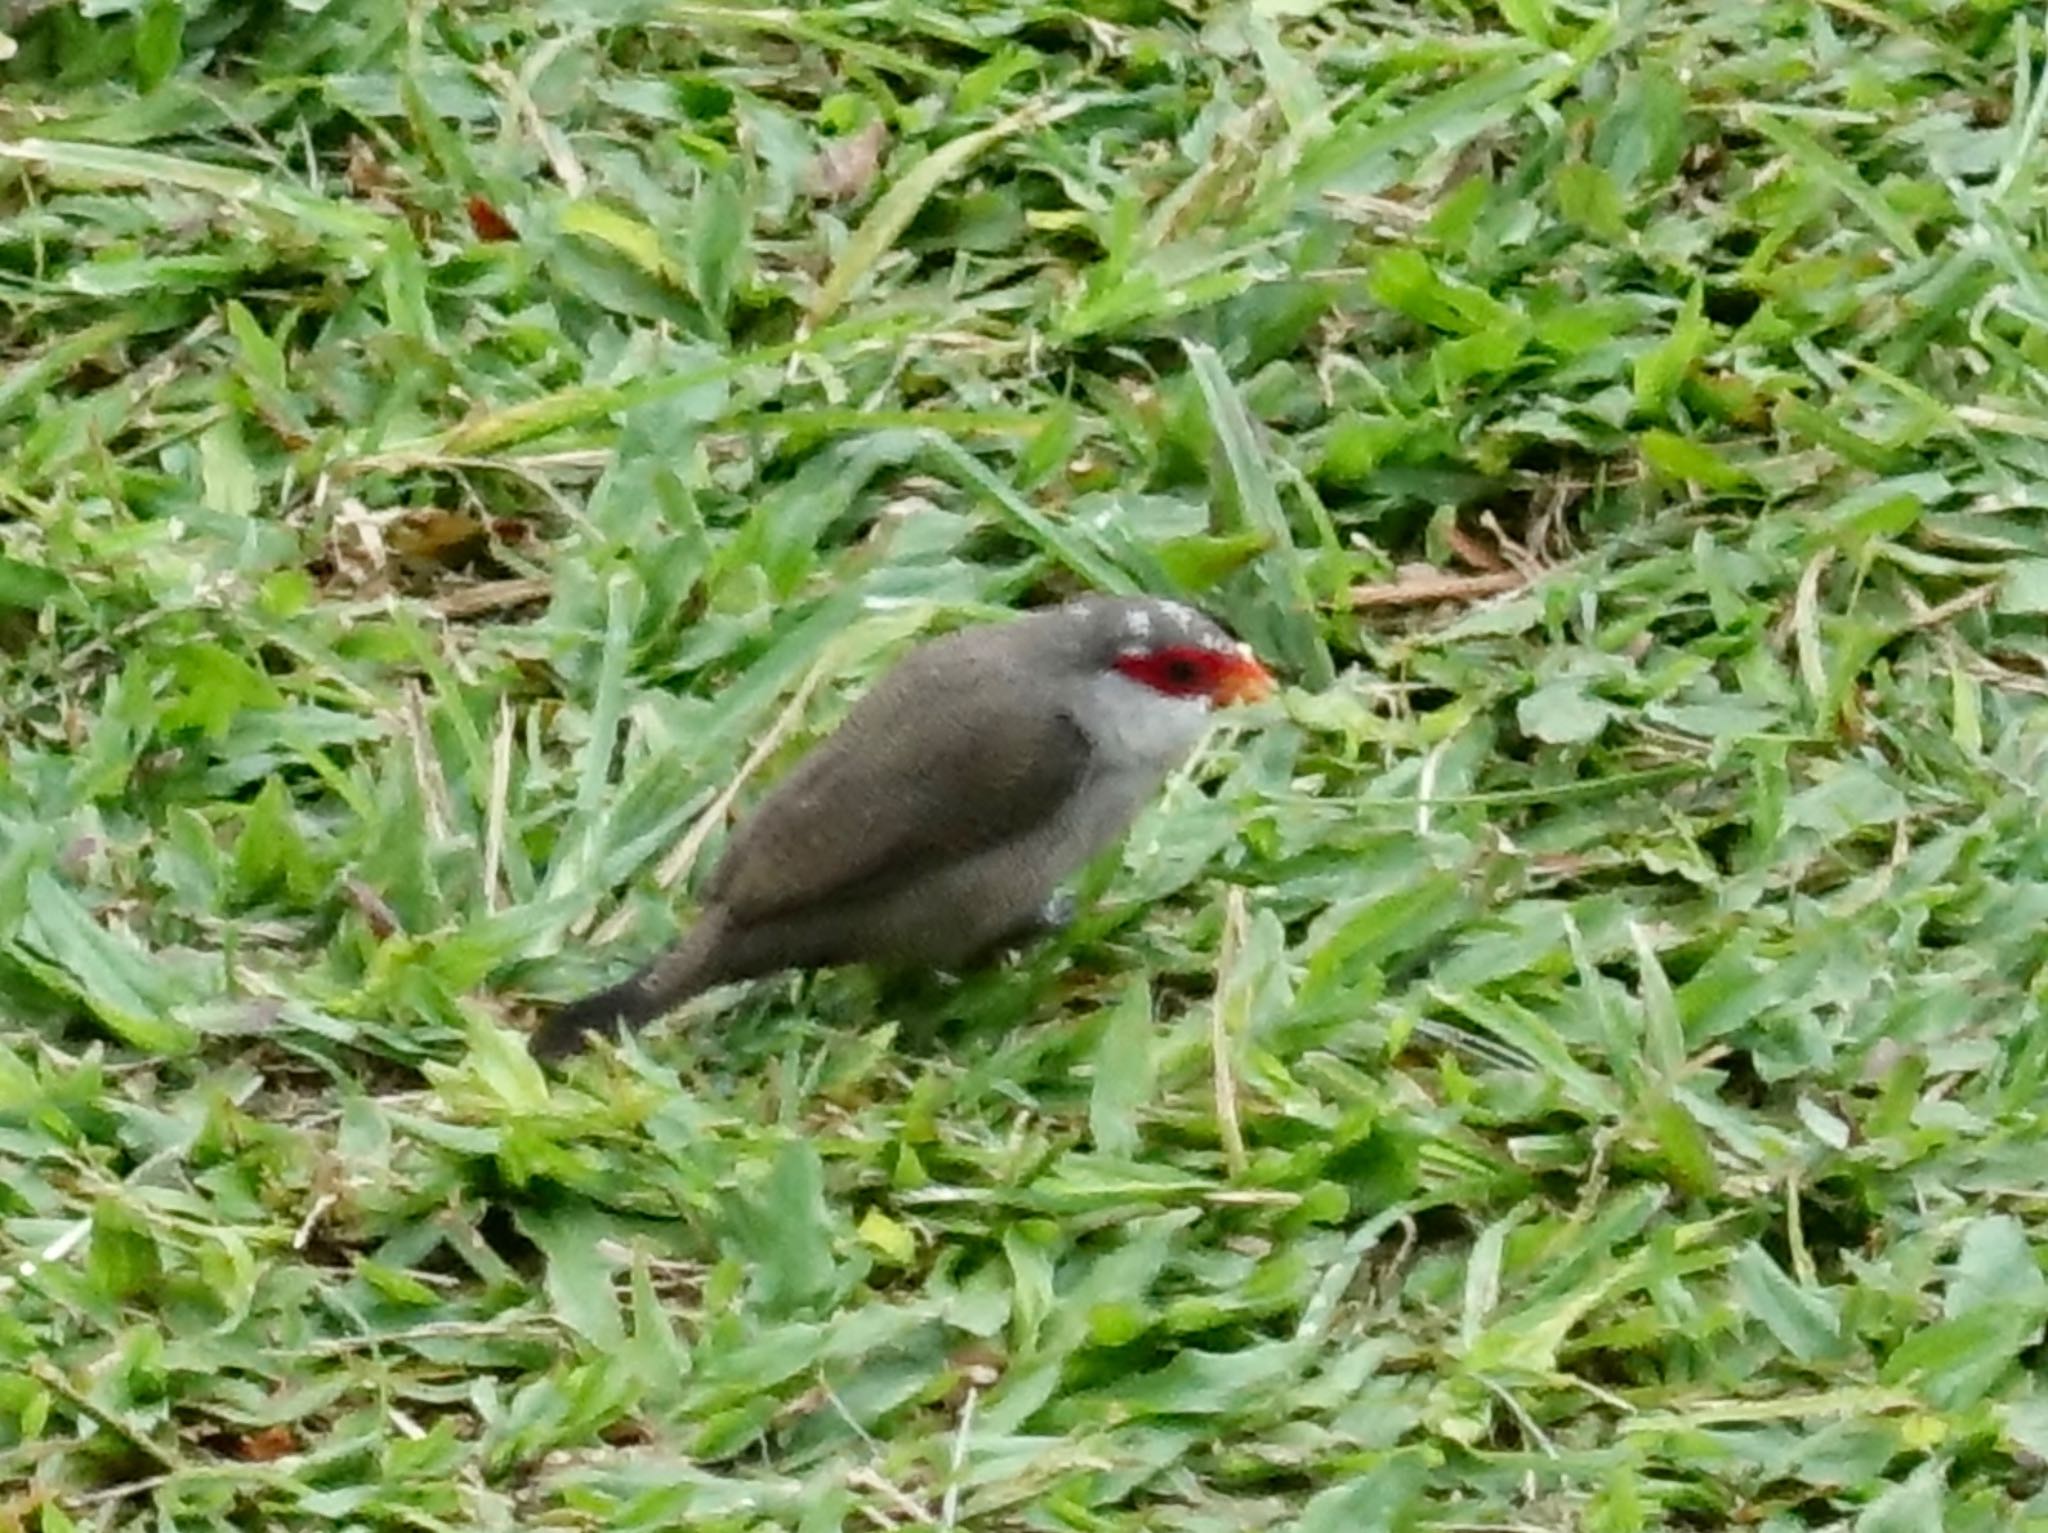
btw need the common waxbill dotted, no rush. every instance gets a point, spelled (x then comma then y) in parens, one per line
(934, 824)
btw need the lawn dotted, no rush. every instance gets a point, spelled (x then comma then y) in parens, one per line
(1575, 1060)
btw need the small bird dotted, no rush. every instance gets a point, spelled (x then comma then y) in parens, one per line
(933, 826)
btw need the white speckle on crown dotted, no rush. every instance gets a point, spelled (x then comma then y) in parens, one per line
(1138, 624)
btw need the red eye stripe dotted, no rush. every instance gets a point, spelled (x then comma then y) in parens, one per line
(1179, 670)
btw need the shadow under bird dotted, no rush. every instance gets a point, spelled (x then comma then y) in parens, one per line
(934, 826)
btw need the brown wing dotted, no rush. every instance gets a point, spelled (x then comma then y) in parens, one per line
(947, 756)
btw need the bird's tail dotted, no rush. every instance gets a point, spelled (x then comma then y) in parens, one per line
(679, 973)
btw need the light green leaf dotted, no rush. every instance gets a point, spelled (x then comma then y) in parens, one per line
(1564, 713)
(1123, 1072)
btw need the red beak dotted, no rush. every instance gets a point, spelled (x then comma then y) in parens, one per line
(1246, 681)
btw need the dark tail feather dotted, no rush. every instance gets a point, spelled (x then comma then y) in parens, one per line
(663, 985)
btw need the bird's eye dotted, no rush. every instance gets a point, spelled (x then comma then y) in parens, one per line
(1183, 672)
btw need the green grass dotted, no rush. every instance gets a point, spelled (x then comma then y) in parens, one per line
(1577, 1061)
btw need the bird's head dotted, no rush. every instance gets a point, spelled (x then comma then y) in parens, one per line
(1150, 671)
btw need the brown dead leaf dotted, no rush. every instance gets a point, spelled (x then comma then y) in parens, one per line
(266, 1446)
(356, 558)
(490, 225)
(365, 173)
(22, 1511)
(430, 535)
(846, 167)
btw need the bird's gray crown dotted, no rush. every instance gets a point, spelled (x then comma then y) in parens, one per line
(1115, 625)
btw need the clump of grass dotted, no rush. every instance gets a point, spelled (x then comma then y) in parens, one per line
(1575, 1064)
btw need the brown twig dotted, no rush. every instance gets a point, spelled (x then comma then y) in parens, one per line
(1426, 590)
(491, 596)
(1925, 616)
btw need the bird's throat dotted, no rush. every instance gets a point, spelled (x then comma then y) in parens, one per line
(1131, 726)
